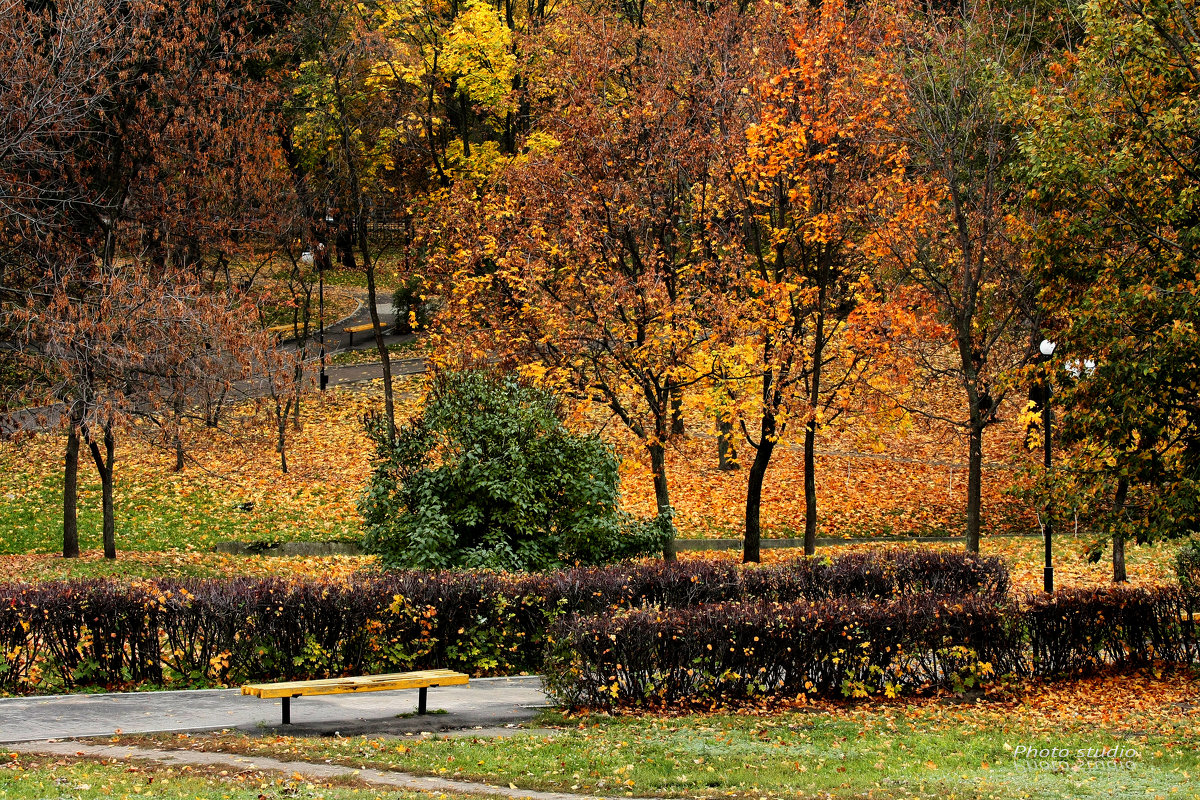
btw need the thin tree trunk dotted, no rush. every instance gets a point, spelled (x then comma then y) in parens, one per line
(662, 495)
(281, 420)
(810, 487)
(751, 548)
(974, 482)
(677, 427)
(726, 452)
(71, 494)
(104, 467)
(178, 437)
(810, 434)
(296, 400)
(1119, 574)
(381, 347)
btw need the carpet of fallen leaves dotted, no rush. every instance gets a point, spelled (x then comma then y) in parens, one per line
(1129, 704)
(903, 479)
(898, 483)
(175, 564)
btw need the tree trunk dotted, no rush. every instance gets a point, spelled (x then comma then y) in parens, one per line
(974, 482)
(810, 487)
(810, 434)
(104, 466)
(178, 419)
(71, 494)
(1119, 574)
(389, 406)
(677, 427)
(281, 421)
(662, 495)
(296, 404)
(344, 244)
(751, 549)
(726, 452)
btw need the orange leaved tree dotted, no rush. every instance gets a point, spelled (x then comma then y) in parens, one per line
(596, 254)
(819, 177)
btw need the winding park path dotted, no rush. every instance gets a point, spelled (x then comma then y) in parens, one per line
(54, 725)
(484, 704)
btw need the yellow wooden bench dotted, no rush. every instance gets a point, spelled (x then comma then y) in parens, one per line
(421, 679)
(282, 331)
(353, 329)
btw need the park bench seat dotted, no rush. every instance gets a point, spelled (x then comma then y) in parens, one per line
(282, 331)
(421, 679)
(353, 329)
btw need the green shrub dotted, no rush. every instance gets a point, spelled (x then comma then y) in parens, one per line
(1187, 568)
(488, 476)
(410, 306)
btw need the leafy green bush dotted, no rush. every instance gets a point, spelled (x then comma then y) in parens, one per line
(488, 476)
(1187, 568)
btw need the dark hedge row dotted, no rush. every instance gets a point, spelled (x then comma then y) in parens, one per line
(110, 633)
(857, 646)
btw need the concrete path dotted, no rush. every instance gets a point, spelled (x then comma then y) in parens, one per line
(310, 771)
(484, 703)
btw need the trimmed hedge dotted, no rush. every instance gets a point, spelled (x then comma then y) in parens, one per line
(112, 633)
(736, 651)
(855, 646)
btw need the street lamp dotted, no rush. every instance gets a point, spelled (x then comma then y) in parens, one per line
(1047, 349)
(324, 380)
(322, 262)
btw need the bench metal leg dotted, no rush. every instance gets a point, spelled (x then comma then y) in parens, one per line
(422, 700)
(287, 710)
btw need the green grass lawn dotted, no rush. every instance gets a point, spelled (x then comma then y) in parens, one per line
(37, 778)
(231, 487)
(889, 752)
(153, 513)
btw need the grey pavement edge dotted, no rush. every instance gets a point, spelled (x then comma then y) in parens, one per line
(484, 703)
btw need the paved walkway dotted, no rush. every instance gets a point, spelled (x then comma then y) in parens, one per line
(485, 703)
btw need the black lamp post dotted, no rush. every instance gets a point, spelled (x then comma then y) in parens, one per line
(322, 262)
(1047, 349)
(321, 315)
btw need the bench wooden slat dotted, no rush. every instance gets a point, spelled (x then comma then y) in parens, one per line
(367, 683)
(365, 327)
